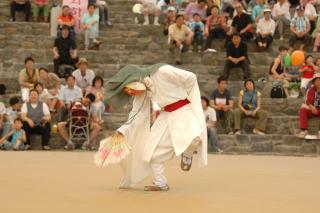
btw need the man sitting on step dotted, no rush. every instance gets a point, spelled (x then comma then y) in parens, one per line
(20, 5)
(150, 6)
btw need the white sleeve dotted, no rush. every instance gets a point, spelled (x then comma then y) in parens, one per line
(24, 109)
(61, 94)
(214, 115)
(45, 109)
(2, 109)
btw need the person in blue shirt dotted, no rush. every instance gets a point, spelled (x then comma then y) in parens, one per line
(18, 137)
(197, 28)
(257, 11)
(89, 24)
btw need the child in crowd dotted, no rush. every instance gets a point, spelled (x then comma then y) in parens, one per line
(18, 137)
(197, 28)
(98, 91)
(308, 70)
(11, 114)
(170, 19)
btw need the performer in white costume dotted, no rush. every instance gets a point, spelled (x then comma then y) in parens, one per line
(180, 129)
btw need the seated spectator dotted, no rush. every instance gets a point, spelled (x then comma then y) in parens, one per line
(39, 5)
(66, 19)
(20, 5)
(2, 115)
(310, 12)
(36, 120)
(52, 83)
(180, 37)
(257, 12)
(64, 51)
(192, 8)
(68, 95)
(83, 75)
(210, 116)
(308, 70)
(250, 106)
(98, 91)
(221, 101)
(94, 127)
(281, 14)
(43, 93)
(216, 26)
(278, 70)
(265, 30)
(150, 7)
(89, 24)
(197, 28)
(311, 108)
(237, 56)
(104, 12)
(300, 28)
(316, 35)
(169, 19)
(242, 24)
(28, 77)
(12, 112)
(18, 137)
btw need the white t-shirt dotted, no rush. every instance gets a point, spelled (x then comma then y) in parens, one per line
(282, 9)
(210, 115)
(45, 108)
(68, 95)
(84, 81)
(265, 26)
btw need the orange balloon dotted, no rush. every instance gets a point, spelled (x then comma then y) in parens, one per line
(297, 58)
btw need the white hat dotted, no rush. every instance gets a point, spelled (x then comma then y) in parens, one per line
(137, 9)
(171, 9)
(266, 10)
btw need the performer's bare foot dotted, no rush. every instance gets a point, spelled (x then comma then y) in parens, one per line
(154, 188)
(186, 162)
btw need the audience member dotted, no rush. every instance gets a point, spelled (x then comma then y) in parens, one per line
(18, 137)
(66, 19)
(20, 5)
(308, 70)
(64, 51)
(192, 8)
(150, 7)
(310, 12)
(83, 75)
(89, 24)
(250, 106)
(197, 28)
(281, 14)
(28, 77)
(169, 19)
(222, 102)
(258, 10)
(237, 56)
(278, 70)
(42, 92)
(216, 26)
(265, 30)
(180, 36)
(104, 12)
(311, 108)
(94, 127)
(37, 6)
(2, 116)
(12, 112)
(68, 95)
(300, 28)
(316, 35)
(98, 91)
(36, 120)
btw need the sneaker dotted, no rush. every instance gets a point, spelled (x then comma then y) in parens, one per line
(281, 38)
(85, 146)
(46, 148)
(109, 24)
(69, 146)
(156, 23)
(181, 47)
(186, 162)
(302, 134)
(146, 23)
(238, 132)
(136, 20)
(231, 133)
(258, 132)
(27, 147)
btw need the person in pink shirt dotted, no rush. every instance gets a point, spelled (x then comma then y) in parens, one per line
(192, 8)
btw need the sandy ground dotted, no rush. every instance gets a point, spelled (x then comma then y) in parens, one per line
(69, 182)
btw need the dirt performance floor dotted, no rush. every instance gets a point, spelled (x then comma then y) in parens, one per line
(69, 182)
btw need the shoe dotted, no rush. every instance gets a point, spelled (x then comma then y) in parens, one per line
(146, 23)
(238, 132)
(69, 146)
(258, 132)
(186, 163)
(46, 148)
(156, 23)
(109, 24)
(181, 47)
(86, 146)
(231, 133)
(281, 38)
(154, 188)
(27, 147)
(136, 20)
(302, 134)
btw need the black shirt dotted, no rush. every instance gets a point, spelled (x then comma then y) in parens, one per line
(241, 22)
(221, 98)
(237, 52)
(64, 45)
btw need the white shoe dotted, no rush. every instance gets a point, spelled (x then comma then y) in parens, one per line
(146, 23)
(281, 38)
(136, 20)
(156, 23)
(302, 134)
(238, 132)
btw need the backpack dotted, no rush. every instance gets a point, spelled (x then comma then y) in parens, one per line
(277, 90)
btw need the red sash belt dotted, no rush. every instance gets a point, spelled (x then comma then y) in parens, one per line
(176, 105)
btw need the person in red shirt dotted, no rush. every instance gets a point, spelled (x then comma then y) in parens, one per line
(311, 108)
(308, 71)
(66, 19)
